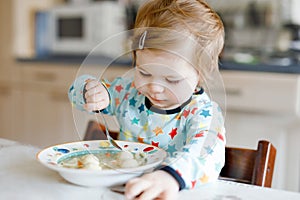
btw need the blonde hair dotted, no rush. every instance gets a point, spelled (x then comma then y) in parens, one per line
(192, 17)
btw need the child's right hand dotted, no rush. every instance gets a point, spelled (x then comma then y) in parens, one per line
(96, 96)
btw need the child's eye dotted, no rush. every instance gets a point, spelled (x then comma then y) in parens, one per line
(144, 73)
(173, 81)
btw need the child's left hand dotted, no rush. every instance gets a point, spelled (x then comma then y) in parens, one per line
(156, 185)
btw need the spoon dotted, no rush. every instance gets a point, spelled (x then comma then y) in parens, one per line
(110, 139)
(120, 189)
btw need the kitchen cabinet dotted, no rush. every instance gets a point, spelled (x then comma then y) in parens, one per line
(37, 110)
(262, 92)
(34, 105)
(266, 106)
(46, 117)
(44, 112)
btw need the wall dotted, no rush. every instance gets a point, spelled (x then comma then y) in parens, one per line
(33, 96)
(7, 65)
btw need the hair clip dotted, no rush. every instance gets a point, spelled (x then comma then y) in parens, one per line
(142, 40)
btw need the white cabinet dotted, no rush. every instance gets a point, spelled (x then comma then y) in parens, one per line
(266, 106)
(46, 117)
(44, 111)
(262, 92)
(35, 108)
(39, 107)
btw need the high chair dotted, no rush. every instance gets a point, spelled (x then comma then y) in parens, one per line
(251, 166)
(96, 131)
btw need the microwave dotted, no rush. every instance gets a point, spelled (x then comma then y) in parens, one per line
(79, 29)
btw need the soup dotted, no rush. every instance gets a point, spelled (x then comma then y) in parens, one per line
(105, 160)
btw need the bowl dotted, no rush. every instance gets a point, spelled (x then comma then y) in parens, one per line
(53, 156)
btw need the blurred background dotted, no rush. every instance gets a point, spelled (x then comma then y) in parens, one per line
(44, 42)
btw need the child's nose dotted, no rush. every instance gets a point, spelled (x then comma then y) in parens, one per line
(155, 88)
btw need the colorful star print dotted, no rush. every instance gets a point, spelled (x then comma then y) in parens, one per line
(209, 150)
(220, 136)
(205, 113)
(171, 149)
(124, 113)
(155, 143)
(127, 135)
(135, 121)
(194, 183)
(145, 127)
(158, 130)
(204, 178)
(117, 101)
(186, 113)
(149, 112)
(173, 133)
(119, 88)
(199, 134)
(141, 108)
(194, 110)
(140, 139)
(132, 102)
(126, 96)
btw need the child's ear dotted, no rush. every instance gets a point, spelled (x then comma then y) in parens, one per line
(133, 58)
(199, 77)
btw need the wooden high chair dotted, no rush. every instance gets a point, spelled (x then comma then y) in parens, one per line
(96, 131)
(249, 165)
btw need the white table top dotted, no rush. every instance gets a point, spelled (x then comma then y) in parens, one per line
(23, 177)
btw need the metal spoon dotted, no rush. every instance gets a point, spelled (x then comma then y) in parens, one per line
(120, 189)
(110, 139)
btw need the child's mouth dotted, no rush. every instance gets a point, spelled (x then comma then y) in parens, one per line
(156, 100)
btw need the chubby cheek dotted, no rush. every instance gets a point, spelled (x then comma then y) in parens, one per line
(182, 95)
(139, 84)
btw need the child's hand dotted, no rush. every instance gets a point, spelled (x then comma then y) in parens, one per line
(96, 96)
(156, 185)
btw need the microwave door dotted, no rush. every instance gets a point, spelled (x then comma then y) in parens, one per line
(71, 33)
(70, 28)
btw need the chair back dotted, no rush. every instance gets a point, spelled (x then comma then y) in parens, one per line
(96, 131)
(249, 165)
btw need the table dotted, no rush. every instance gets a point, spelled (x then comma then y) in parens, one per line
(23, 177)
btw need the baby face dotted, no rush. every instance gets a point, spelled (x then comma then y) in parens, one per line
(166, 79)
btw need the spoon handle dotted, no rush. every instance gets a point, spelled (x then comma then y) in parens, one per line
(110, 139)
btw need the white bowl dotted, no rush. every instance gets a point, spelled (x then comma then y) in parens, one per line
(52, 156)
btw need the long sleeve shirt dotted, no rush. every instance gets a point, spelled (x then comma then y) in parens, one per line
(193, 134)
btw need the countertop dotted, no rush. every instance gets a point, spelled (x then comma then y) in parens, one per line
(230, 65)
(22, 177)
(223, 64)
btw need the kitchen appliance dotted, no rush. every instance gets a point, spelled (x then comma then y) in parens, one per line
(79, 28)
(295, 36)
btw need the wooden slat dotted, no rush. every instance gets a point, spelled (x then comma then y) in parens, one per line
(250, 166)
